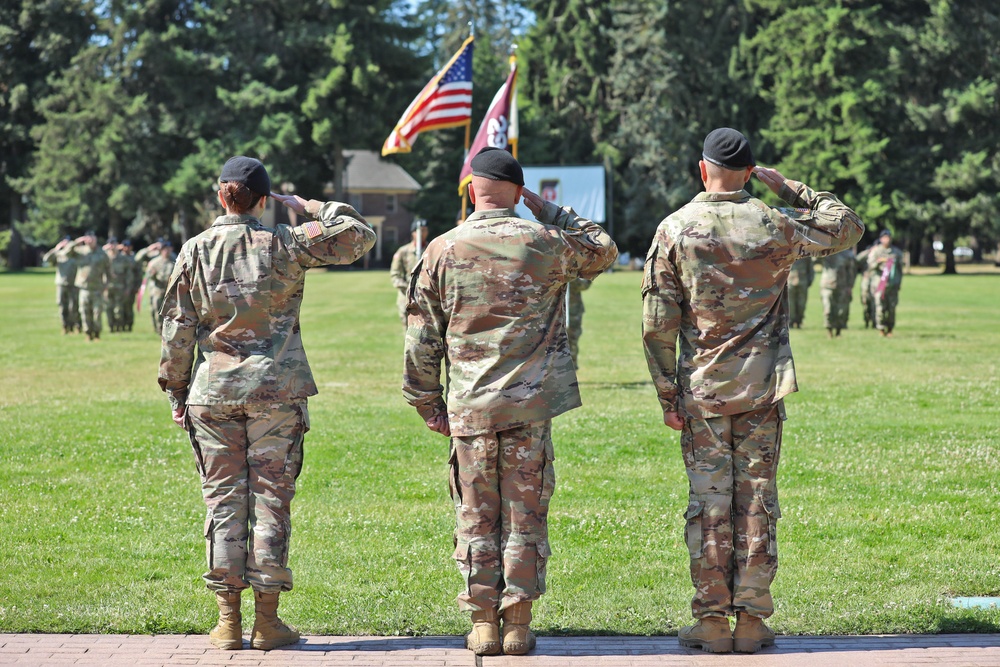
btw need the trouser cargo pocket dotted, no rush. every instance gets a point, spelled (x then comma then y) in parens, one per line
(693, 531)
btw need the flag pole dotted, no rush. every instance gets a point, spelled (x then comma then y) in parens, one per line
(513, 95)
(468, 126)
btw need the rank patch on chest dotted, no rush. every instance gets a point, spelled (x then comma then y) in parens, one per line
(312, 229)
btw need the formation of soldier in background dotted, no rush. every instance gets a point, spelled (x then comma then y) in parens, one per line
(94, 282)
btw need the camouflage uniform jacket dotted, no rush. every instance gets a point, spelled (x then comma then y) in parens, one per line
(93, 268)
(839, 270)
(231, 311)
(487, 296)
(803, 272)
(714, 277)
(64, 263)
(402, 266)
(158, 272)
(878, 256)
(121, 271)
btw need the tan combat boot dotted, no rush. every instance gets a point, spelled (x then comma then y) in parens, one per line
(751, 635)
(518, 638)
(228, 632)
(268, 630)
(709, 634)
(485, 636)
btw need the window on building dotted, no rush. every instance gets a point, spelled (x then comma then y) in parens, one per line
(390, 203)
(392, 237)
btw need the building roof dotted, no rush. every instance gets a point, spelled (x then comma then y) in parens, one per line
(366, 172)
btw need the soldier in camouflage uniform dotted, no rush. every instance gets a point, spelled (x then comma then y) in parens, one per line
(836, 285)
(403, 262)
(134, 280)
(488, 297)
(93, 273)
(800, 278)
(118, 285)
(66, 292)
(574, 319)
(233, 366)
(885, 262)
(158, 273)
(715, 277)
(867, 287)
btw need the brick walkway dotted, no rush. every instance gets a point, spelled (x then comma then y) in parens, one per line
(169, 650)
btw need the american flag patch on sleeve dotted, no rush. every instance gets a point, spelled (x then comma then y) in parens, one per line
(312, 229)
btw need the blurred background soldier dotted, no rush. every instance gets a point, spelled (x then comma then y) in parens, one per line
(93, 273)
(867, 286)
(836, 286)
(886, 264)
(133, 283)
(403, 262)
(66, 292)
(234, 368)
(716, 285)
(800, 278)
(574, 318)
(155, 283)
(118, 285)
(488, 296)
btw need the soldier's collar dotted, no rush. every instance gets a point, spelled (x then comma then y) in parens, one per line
(492, 213)
(738, 195)
(241, 219)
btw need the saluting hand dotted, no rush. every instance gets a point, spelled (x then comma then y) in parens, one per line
(772, 178)
(532, 201)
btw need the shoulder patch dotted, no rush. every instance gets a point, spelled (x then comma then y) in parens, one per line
(312, 229)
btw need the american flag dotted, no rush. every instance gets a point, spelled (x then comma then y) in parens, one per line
(446, 101)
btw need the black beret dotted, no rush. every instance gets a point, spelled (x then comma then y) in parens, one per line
(112, 239)
(417, 224)
(728, 148)
(885, 232)
(249, 172)
(497, 164)
(127, 243)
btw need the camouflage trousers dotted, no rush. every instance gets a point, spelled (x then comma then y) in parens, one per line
(116, 307)
(128, 309)
(249, 457)
(836, 307)
(91, 310)
(867, 302)
(68, 299)
(733, 510)
(501, 484)
(797, 297)
(885, 309)
(401, 302)
(155, 301)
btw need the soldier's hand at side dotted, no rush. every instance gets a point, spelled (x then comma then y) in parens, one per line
(673, 420)
(178, 415)
(439, 424)
(772, 178)
(532, 201)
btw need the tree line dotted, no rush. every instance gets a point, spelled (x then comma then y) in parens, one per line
(116, 114)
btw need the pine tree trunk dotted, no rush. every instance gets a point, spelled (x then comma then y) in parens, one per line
(15, 256)
(949, 255)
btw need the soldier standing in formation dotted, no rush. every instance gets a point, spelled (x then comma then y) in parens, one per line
(403, 262)
(93, 274)
(118, 285)
(836, 287)
(231, 311)
(715, 279)
(800, 278)
(885, 261)
(66, 292)
(867, 297)
(574, 319)
(488, 296)
(132, 285)
(156, 278)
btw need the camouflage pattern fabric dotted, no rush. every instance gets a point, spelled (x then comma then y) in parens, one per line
(490, 293)
(67, 295)
(867, 289)
(248, 525)
(886, 300)
(91, 311)
(134, 281)
(158, 273)
(800, 278)
(93, 272)
(574, 321)
(715, 275)
(732, 513)
(403, 263)
(118, 290)
(501, 484)
(234, 298)
(836, 288)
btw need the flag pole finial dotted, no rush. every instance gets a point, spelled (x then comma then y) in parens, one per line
(472, 30)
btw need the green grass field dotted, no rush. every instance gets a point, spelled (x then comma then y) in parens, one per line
(889, 480)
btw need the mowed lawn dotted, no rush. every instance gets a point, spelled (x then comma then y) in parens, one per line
(889, 478)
